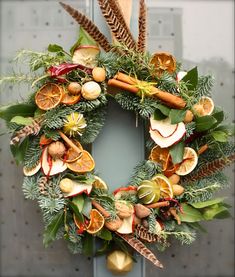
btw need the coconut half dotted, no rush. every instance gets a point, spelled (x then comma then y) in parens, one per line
(49, 166)
(127, 225)
(71, 188)
(164, 142)
(164, 126)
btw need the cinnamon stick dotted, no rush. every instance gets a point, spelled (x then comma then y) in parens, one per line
(100, 209)
(69, 142)
(158, 205)
(129, 83)
(202, 149)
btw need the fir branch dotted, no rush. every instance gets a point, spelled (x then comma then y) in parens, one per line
(190, 127)
(74, 240)
(33, 153)
(167, 82)
(88, 106)
(30, 187)
(95, 122)
(50, 206)
(17, 79)
(205, 85)
(144, 171)
(151, 223)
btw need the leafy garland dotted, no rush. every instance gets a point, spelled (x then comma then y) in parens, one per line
(176, 207)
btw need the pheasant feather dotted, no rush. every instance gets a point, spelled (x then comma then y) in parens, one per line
(141, 44)
(141, 248)
(88, 26)
(210, 168)
(118, 12)
(115, 25)
(144, 234)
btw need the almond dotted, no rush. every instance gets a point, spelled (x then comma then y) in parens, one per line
(177, 190)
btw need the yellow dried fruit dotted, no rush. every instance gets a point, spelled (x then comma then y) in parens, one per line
(99, 74)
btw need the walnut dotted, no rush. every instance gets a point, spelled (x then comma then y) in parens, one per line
(124, 209)
(56, 149)
(113, 224)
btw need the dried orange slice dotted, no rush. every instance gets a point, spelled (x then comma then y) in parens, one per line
(84, 164)
(80, 225)
(72, 155)
(96, 222)
(69, 99)
(163, 61)
(99, 183)
(164, 183)
(189, 162)
(160, 155)
(48, 96)
(205, 106)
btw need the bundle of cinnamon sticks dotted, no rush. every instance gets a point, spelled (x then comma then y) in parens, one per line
(128, 83)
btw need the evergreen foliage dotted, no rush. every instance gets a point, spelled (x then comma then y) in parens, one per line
(205, 85)
(74, 240)
(30, 187)
(33, 153)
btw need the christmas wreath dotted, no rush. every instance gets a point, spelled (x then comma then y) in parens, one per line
(188, 144)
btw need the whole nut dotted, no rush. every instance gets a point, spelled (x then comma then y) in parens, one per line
(113, 224)
(188, 116)
(56, 149)
(98, 74)
(174, 179)
(177, 190)
(124, 209)
(74, 88)
(137, 220)
(141, 211)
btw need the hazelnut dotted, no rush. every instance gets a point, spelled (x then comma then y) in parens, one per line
(174, 179)
(141, 211)
(177, 190)
(99, 74)
(74, 88)
(56, 149)
(188, 116)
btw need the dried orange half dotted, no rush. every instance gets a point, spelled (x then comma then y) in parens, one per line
(96, 222)
(99, 183)
(160, 155)
(48, 96)
(69, 99)
(205, 106)
(189, 162)
(84, 164)
(163, 61)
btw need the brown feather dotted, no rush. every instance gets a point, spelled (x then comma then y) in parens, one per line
(141, 44)
(115, 26)
(88, 26)
(144, 234)
(118, 12)
(141, 248)
(210, 168)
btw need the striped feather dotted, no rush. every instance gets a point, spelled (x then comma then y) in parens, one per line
(115, 25)
(144, 234)
(88, 26)
(141, 248)
(141, 44)
(210, 168)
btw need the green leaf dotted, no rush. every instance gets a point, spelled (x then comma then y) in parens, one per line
(190, 214)
(158, 115)
(83, 39)
(177, 116)
(216, 211)
(10, 111)
(105, 234)
(227, 128)
(22, 120)
(200, 205)
(87, 207)
(18, 151)
(55, 48)
(220, 136)
(76, 211)
(52, 229)
(103, 249)
(204, 123)
(177, 152)
(88, 244)
(219, 116)
(164, 109)
(79, 202)
(191, 79)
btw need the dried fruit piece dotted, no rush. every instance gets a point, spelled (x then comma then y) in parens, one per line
(75, 124)
(99, 183)
(84, 164)
(127, 225)
(189, 162)
(205, 106)
(163, 61)
(174, 179)
(31, 171)
(164, 183)
(96, 222)
(48, 96)
(91, 90)
(188, 117)
(99, 74)
(160, 155)
(148, 192)
(71, 188)
(164, 126)
(70, 99)
(86, 55)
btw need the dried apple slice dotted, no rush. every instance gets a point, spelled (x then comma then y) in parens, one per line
(49, 166)
(164, 142)
(164, 126)
(31, 171)
(86, 55)
(127, 225)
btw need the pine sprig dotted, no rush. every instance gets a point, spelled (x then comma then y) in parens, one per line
(30, 187)
(33, 153)
(205, 85)
(144, 171)
(152, 223)
(74, 240)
